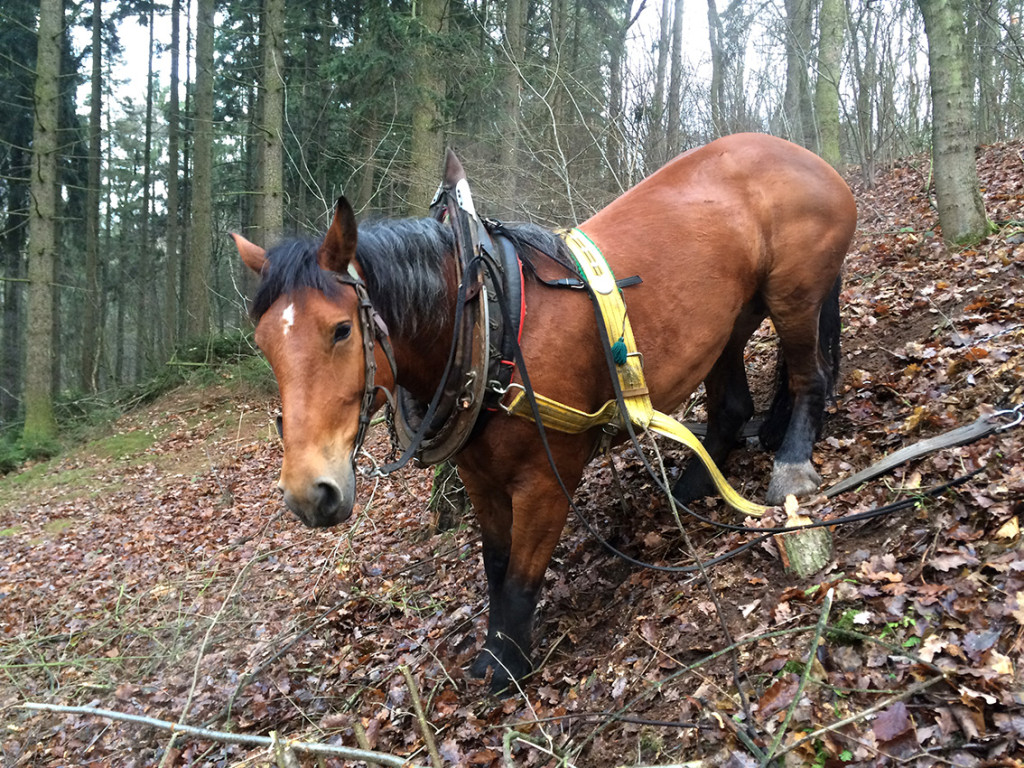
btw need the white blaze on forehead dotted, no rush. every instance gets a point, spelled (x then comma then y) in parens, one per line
(288, 318)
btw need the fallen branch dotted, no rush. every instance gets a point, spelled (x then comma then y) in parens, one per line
(425, 728)
(812, 655)
(349, 753)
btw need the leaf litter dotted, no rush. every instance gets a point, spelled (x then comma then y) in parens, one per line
(170, 584)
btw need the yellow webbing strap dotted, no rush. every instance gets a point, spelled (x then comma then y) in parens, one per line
(599, 275)
(669, 427)
(564, 418)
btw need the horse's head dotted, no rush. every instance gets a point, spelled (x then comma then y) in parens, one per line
(316, 327)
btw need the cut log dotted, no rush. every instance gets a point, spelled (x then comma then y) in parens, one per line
(803, 552)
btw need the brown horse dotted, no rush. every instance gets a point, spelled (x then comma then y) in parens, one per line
(723, 236)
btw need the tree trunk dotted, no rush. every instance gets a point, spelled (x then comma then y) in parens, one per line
(618, 28)
(144, 285)
(826, 92)
(201, 235)
(958, 197)
(40, 425)
(985, 21)
(797, 99)
(864, 34)
(515, 53)
(558, 66)
(674, 107)
(12, 248)
(91, 298)
(426, 143)
(717, 86)
(172, 260)
(657, 152)
(272, 130)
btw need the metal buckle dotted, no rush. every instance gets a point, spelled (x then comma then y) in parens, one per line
(502, 405)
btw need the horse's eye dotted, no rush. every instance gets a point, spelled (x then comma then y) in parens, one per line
(342, 331)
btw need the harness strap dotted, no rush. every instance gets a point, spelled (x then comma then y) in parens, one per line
(561, 418)
(373, 329)
(612, 311)
(617, 332)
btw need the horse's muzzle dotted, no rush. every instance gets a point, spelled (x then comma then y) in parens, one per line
(325, 502)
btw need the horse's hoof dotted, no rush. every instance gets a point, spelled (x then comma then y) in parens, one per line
(484, 661)
(694, 484)
(505, 672)
(796, 479)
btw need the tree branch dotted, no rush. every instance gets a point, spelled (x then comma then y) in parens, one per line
(349, 753)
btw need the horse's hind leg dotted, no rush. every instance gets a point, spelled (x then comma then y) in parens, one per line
(808, 382)
(729, 407)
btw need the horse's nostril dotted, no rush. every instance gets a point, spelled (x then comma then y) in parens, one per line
(328, 496)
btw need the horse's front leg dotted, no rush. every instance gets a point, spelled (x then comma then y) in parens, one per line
(493, 509)
(517, 548)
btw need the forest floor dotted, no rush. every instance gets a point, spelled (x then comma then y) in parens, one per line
(152, 571)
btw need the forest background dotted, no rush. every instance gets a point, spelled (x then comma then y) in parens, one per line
(115, 272)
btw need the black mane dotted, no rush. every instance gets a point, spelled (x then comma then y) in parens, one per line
(402, 263)
(531, 237)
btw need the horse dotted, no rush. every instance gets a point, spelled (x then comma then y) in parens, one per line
(747, 227)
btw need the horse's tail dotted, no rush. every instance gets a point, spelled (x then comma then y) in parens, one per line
(829, 327)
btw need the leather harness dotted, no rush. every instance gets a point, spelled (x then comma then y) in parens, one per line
(488, 326)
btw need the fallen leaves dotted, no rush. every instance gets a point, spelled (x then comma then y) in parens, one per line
(147, 579)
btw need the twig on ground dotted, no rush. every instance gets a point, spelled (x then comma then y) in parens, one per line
(746, 736)
(812, 654)
(246, 739)
(421, 717)
(202, 652)
(834, 727)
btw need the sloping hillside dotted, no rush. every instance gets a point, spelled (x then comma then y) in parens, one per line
(153, 571)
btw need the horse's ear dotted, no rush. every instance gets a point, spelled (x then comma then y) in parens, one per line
(255, 258)
(453, 170)
(455, 179)
(339, 246)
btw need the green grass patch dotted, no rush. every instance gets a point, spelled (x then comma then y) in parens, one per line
(122, 445)
(59, 525)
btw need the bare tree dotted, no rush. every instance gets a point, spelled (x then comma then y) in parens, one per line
(172, 245)
(272, 175)
(426, 141)
(797, 99)
(91, 298)
(201, 236)
(958, 197)
(832, 22)
(40, 425)
(675, 82)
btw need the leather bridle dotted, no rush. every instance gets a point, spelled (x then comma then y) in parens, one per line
(374, 331)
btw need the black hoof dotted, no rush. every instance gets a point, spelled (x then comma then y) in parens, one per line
(694, 484)
(504, 671)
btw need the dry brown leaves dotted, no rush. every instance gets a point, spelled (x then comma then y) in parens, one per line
(166, 582)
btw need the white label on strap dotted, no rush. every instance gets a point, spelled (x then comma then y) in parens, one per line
(465, 198)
